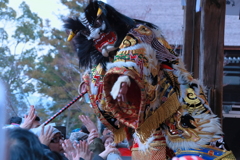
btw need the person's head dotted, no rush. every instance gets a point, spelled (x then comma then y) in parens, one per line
(104, 130)
(78, 136)
(107, 131)
(23, 145)
(36, 122)
(84, 129)
(15, 120)
(107, 139)
(56, 142)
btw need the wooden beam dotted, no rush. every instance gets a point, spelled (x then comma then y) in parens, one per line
(212, 50)
(235, 48)
(188, 38)
(191, 38)
(196, 45)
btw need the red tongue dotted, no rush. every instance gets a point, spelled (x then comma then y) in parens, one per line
(105, 39)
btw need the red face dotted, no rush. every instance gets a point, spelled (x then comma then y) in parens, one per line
(105, 39)
(104, 42)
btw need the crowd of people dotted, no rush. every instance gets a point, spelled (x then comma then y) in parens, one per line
(29, 140)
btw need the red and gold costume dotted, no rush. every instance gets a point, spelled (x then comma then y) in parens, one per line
(164, 102)
(165, 109)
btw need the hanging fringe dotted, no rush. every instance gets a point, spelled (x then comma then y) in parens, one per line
(119, 135)
(166, 110)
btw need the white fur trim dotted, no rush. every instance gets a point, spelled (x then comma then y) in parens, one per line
(150, 54)
(158, 33)
(137, 46)
(117, 85)
(123, 64)
(94, 89)
(143, 147)
(212, 127)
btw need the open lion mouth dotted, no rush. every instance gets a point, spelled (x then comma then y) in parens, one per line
(105, 39)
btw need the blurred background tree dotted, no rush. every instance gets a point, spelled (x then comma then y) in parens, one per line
(17, 56)
(37, 59)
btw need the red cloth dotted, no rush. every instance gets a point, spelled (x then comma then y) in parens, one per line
(125, 151)
(135, 145)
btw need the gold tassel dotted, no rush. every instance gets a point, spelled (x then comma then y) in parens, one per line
(119, 135)
(166, 110)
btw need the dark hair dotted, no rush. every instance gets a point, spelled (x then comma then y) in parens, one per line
(23, 145)
(37, 118)
(105, 137)
(84, 129)
(17, 120)
(102, 127)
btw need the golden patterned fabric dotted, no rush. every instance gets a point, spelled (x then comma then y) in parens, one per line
(95, 78)
(158, 153)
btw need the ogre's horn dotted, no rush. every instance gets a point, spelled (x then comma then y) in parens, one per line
(99, 12)
(71, 35)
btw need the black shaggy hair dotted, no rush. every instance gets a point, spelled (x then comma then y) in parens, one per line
(17, 120)
(23, 145)
(88, 55)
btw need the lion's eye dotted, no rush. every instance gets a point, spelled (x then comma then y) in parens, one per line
(97, 23)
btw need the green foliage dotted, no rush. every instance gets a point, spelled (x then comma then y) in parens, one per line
(6, 13)
(3, 34)
(75, 6)
(28, 25)
(38, 59)
(18, 55)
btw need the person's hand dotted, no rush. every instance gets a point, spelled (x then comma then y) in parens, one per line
(88, 123)
(109, 149)
(82, 151)
(29, 119)
(46, 136)
(68, 148)
(92, 135)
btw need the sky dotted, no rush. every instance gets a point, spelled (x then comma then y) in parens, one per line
(46, 9)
